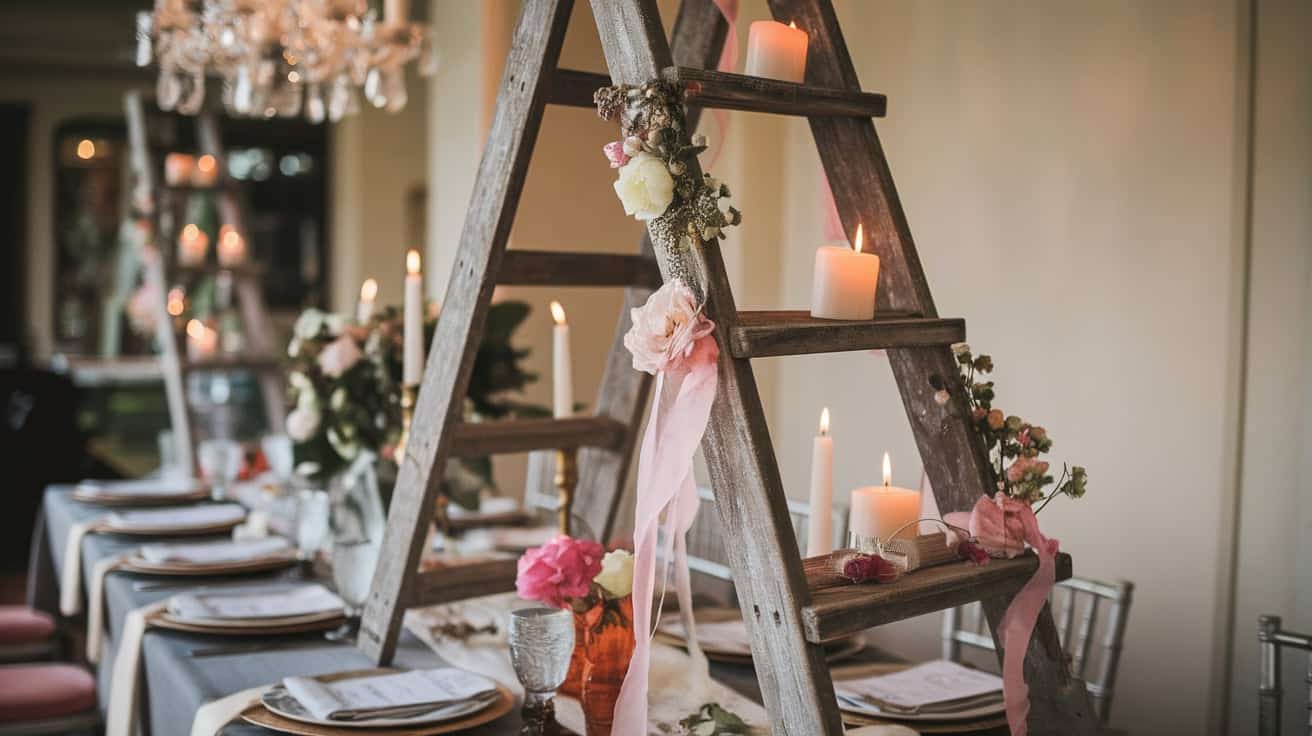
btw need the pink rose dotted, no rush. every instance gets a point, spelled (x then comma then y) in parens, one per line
(667, 329)
(995, 523)
(1025, 466)
(864, 568)
(615, 154)
(340, 355)
(559, 570)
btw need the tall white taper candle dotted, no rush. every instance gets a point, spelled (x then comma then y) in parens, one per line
(562, 365)
(820, 529)
(412, 367)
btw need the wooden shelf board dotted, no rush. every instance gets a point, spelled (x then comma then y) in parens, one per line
(564, 268)
(727, 91)
(838, 612)
(458, 582)
(766, 333)
(526, 435)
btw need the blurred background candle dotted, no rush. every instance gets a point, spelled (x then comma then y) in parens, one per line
(562, 368)
(820, 530)
(202, 341)
(364, 310)
(844, 281)
(206, 172)
(178, 168)
(413, 357)
(776, 51)
(192, 244)
(877, 511)
(232, 247)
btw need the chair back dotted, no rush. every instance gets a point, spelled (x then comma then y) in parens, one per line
(1083, 609)
(1270, 641)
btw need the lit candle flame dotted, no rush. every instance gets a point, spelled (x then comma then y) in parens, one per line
(369, 290)
(860, 239)
(557, 312)
(412, 262)
(231, 238)
(190, 232)
(206, 163)
(86, 149)
(792, 24)
(177, 302)
(888, 470)
(196, 329)
(824, 421)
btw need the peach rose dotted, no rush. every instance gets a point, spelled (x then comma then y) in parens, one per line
(666, 329)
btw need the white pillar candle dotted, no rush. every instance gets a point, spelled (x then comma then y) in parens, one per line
(820, 529)
(878, 511)
(202, 341)
(192, 245)
(776, 51)
(364, 310)
(206, 172)
(413, 357)
(844, 282)
(232, 247)
(178, 168)
(562, 365)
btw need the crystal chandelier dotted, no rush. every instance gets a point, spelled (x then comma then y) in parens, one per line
(283, 58)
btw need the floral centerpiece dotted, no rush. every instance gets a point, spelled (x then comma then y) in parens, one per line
(596, 585)
(346, 391)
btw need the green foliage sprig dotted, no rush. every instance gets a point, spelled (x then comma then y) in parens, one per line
(1013, 444)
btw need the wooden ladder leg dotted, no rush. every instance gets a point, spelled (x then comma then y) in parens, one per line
(1059, 702)
(533, 54)
(698, 36)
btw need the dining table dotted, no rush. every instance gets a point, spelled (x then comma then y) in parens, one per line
(182, 671)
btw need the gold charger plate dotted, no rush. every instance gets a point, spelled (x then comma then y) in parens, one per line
(252, 627)
(261, 716)
(923, 726)
(138, 564)
(834, 652)
(126, 499)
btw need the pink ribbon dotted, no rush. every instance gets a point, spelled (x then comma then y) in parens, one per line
(1003, 525)
(728, 63)
(665, 484)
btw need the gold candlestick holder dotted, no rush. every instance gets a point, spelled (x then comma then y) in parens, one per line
(567, 478)
(408, 396)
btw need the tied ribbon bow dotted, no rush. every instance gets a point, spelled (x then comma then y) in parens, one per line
(684, 394)
(1004, 526)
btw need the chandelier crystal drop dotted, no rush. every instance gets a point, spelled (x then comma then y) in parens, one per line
(283, 58)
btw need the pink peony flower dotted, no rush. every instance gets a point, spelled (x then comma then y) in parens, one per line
(995, 524)
(559, 570)
(864, 568)
(340, 355)
(667, 330)
(615, 154)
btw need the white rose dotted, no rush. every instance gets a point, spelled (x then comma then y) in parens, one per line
(343, 443)
(616, 576)
(303, 422)
(340, 356)
(308, 324)
(645, 187)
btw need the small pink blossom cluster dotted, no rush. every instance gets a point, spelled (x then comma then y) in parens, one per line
(559, 572)
(615, 154)
(864, 568)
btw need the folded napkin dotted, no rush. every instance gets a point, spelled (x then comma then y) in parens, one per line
(162, 486)
(121, 715)
(278, 601)
(211, 717)
(397, 695)
(939, 686)
(70, 577)
(721, 636)
(96, 605)
(210, 553)
(191, 516)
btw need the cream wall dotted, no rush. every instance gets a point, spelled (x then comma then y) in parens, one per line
(1076, 175)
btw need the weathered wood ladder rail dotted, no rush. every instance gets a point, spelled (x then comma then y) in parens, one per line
(788, 619)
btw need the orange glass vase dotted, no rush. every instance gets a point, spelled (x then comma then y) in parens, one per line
(573, 685)
(608, 647)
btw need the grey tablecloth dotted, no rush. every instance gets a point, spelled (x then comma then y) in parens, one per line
(176, 682)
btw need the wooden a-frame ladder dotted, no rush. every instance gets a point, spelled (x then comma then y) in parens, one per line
(789, 621)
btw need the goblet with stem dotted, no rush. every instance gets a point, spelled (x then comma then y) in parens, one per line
(541, 642)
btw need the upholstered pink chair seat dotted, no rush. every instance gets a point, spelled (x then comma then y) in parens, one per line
(36, 691)
(23, 625)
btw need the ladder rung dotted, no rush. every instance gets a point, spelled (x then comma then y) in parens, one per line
(761, 334)
(708, 88)
(459, 582)
(475, 439)
(555, 268)
(838, 612)
(574, 88)
(233, 363)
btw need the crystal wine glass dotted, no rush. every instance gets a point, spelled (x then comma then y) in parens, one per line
(312, 522)
(220, 462)
(354, 561)
(541, 643)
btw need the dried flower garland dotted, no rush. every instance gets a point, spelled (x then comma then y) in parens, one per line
(656, 182)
